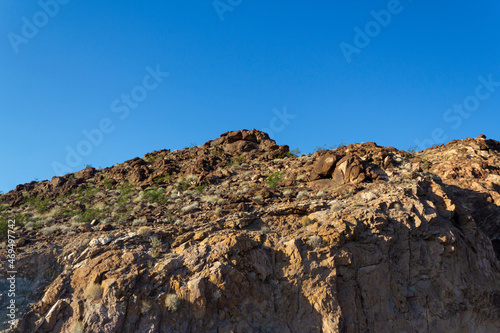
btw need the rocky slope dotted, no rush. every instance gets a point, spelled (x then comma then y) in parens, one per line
(239, 235)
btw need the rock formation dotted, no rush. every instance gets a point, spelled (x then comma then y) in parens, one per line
(239, 235)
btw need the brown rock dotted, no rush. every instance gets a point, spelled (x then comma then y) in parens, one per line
(57, 181)
(325, 165)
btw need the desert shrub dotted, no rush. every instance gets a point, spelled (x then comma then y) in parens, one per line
(210, 198)
(89, 215)
(145, 306)
(41, 205)
(190, 208)
(320, 193)
(77, 327)
(306, 221)
(201, 188)
(292, 153)
(242, 191)
(302, 194)
(4, 227)
(144, 231)
(322, 148)
(154, 242)
(155, 195)
(265, 230)
(50, 230)
(315, 241)
(274, 179)
(93, 291)
(216, 295)
(172, 302)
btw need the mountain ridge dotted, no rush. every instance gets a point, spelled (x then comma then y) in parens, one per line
(240, 235)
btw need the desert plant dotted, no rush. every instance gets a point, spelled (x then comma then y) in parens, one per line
(242, 191)
(306, 221)
(210, 198)
(144, 231)
(302, 194)
(50, 230)
(315, 241)
(274, 179)
(93, 291)
(89, 215)
(240, 158)
(216, 295)
(155, 195)
(190, 208)
(77, 327)
(265, 230)
(320, 193)
(172, 302)
(154, 242)
(322, 148)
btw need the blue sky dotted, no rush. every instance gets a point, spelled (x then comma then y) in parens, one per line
(312, 73)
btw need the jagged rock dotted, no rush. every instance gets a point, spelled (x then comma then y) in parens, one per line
(362, 238)
(324, 166)
(349, 169)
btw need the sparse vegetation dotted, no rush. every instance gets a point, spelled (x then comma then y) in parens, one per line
(154, 242)
(302, 195)
(155, 195)
(144, 231)
(274, 179)
(189, 208)
(306, 221)
(172, 302)
(77, 327)
(315, 241)
(93, 291)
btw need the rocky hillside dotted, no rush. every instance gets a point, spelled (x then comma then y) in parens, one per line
(239, 235)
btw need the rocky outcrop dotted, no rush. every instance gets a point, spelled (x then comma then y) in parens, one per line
(360, 238)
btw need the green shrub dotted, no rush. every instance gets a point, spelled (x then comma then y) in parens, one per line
(155, 195)
(274, 179)
(89, 215)
(201, 188)
(4, 227)
(292, 153)
(41, 205)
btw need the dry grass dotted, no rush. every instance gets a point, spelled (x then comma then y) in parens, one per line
(315, 241)
(144, 231)
(77, 327)
(93, 291)
(172, 302)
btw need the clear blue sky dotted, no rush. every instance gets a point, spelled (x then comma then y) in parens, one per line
(85, 66)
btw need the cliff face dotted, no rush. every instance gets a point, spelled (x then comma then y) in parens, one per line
(238, 235)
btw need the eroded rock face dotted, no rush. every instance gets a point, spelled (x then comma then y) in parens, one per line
(361, 238)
